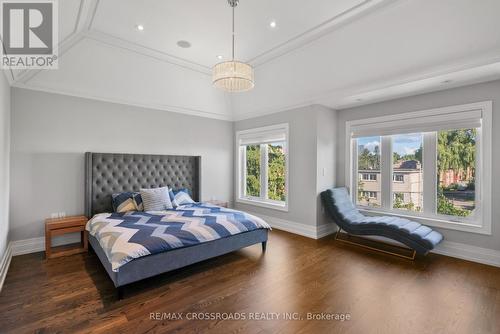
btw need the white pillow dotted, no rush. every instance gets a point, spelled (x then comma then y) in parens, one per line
(156, 199)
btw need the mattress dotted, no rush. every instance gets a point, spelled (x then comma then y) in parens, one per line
(128, 236)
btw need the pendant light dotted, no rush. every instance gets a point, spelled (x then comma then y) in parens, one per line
(233, 76)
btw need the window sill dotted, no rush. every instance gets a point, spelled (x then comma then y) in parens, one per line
(264, 204)
(434, 222)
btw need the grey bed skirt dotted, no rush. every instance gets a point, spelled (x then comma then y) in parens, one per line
(152, 265)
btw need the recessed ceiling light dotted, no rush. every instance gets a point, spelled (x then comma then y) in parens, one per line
(183, 44)
(139, 27)
(220, 57)
(272, 24)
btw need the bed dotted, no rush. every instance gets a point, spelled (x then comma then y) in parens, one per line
(142, 236)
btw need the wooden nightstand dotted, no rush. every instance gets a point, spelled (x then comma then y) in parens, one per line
(219, 203)
(60, 226)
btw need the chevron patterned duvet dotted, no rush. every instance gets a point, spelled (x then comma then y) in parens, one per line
(127, 236)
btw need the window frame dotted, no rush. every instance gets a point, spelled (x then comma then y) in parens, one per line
(369, 177)
(481, 221)
(398, 174)
(368, 193)
(262, 200)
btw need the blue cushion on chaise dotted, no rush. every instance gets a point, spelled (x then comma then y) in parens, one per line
(339, 206)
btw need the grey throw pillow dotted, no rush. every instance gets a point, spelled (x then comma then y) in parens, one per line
(156, 199)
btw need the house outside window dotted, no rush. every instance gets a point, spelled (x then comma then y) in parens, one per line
(433, 165)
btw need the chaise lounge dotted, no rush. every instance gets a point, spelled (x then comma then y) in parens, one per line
(339, 206)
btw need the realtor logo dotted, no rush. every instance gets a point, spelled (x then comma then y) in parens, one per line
(29, 34)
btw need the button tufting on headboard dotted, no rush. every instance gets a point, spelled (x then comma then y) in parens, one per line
(108, 173)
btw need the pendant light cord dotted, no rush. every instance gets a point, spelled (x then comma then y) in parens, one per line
(233, 32)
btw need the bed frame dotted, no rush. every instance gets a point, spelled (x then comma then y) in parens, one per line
(108, 173)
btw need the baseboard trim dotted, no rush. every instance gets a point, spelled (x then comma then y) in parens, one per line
(325, 230)
(27, 246)
(310, 231)
(448, 248)
(5, 263)
(467, 252)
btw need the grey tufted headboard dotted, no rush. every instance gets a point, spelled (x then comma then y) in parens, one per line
(109, 173)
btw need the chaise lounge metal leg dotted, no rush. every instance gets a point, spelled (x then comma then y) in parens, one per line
(408, 257)
(264, 245)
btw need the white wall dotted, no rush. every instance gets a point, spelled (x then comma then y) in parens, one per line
(311, 148)
(5, 114)
(51, 132)
(326, 125)
(463, 95)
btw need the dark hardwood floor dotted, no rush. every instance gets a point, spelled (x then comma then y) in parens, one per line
(382, 294)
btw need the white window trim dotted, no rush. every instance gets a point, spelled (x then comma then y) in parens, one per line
(368, 179)
(398, 174)
(240, 174)
(483, 164)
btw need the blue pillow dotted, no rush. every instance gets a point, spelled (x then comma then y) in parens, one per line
(127, 201)
(185, 190)
(182, 196)
(172, 197)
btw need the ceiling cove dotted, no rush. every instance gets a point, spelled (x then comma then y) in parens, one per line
(104, 56)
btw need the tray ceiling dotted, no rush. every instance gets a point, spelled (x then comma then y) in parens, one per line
(207, 24)
(337, 53)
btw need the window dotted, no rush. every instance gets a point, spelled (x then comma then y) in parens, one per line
(369, 177)
(433, 166)
(398, 197)
(456, 169)
(407, 168)
(276, 171)
(252, 181)
(368, 163)
(263, 166)
(399, 177)
(369, 194)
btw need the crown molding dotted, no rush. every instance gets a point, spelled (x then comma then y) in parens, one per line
(315, 33)
(461, 74)
(349, 15)
(487, 69)
(91, 9)
(117, 42)
(64, 47)
(9, 74)
(155, 106)
(272, 110)
(86, 11)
